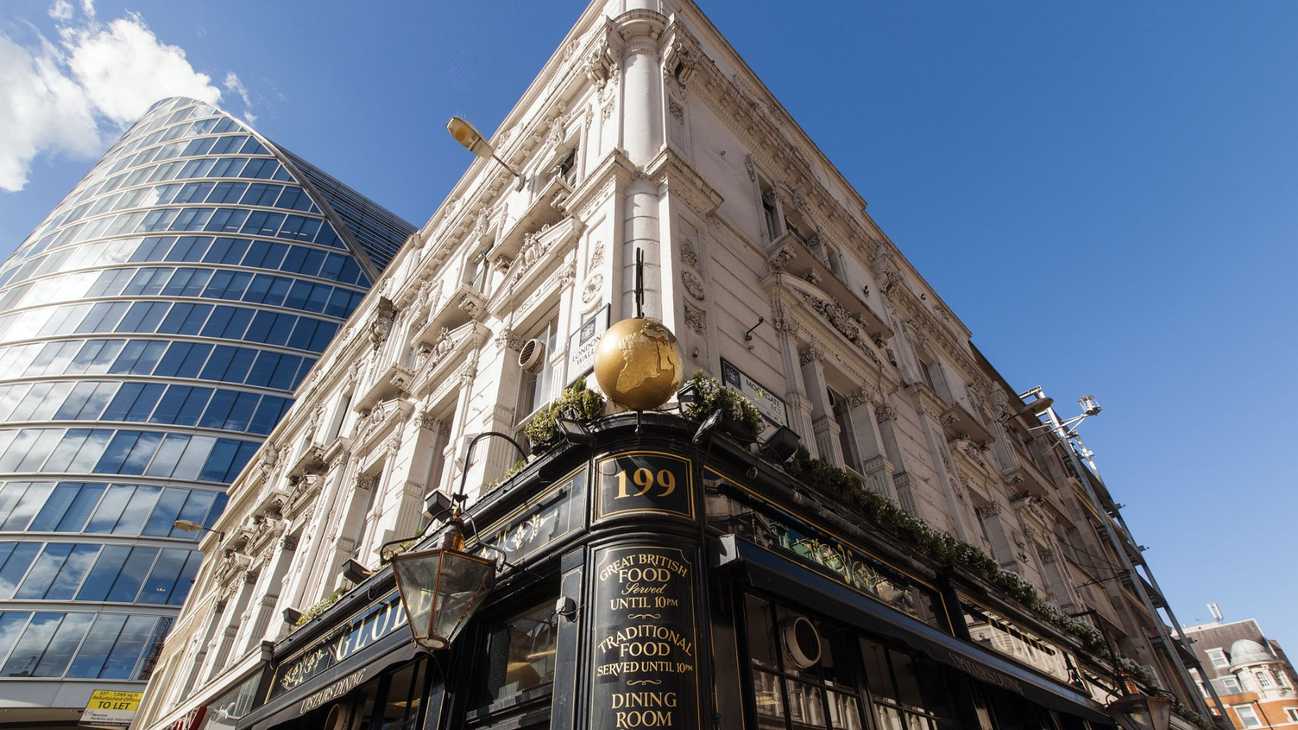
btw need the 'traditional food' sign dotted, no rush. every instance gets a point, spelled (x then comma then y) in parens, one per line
(645, 672)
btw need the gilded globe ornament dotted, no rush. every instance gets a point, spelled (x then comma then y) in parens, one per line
(638, 364)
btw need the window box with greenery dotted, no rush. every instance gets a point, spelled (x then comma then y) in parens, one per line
(704, 395)
(576, 402)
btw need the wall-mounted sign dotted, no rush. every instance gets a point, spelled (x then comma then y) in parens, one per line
(734, 511)
(544, 519)
(364, 628)
(582, 343)
(111, 707)
(644, 482)
(771, 405)
(645, 670)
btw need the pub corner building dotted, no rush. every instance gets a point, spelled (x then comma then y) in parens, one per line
(845, 518)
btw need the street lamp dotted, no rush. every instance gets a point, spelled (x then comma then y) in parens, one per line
(191, 526)
(443, 587)
(472, 140)
(1137, 711)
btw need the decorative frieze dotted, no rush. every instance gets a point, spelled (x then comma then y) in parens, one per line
(380, 326)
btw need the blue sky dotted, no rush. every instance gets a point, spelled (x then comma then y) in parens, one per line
(1104, 192)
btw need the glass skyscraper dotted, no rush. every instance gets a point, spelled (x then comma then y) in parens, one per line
(153, 329)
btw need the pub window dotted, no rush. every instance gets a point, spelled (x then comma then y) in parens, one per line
(518, 664)
(799, 679)
(907, 692)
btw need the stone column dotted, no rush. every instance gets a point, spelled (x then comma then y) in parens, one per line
(795, 396)
(823, 424)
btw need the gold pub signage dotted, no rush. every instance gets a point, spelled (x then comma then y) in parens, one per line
(644, 483)
(645, 672)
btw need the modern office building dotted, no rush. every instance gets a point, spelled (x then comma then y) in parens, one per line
(1250, 672)
(941, 555)
(153, 329)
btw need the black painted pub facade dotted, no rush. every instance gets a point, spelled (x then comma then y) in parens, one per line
(647, 581)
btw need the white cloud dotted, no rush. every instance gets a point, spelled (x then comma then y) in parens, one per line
(234, 84)
(124, 68)
(41, 111)
(61, 10)
(65, 99)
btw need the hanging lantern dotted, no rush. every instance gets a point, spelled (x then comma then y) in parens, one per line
(442, 588)
(1142, 712)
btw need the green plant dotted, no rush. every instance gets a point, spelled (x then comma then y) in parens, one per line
(320, 607)
(711, 395)
(576, 401)
(513, 469)
(940, 547)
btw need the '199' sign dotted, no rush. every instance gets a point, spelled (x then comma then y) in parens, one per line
(644, 482)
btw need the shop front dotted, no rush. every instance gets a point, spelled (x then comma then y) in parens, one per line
(642, 585)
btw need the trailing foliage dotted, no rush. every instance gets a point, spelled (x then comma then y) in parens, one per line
(713, 396)
(941, 547)
(320, 607)
(576, 402)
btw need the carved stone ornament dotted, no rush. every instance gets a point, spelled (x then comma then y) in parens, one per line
(847, 323)
(596, 257)
(428, 420)
(695, 318)
(990, 509)
(681, 58)
(809, 354)
(748, 166)
(689, 254)
(366, 482)
(692, 284)
(381, 323)
(883, 412)
(594, 283)
(675, 108)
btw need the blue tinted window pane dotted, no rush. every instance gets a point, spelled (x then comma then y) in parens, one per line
(183, 360)
(137, 510)
(199, 510)
(74, 569)
(139, 357)
(12, 624)
(97, 646)
(59, 651)
(110, 507)
(130, 644)
(104, 574)
(227, 250)
(268, 413)
(186, 579)
(27, 652)
(241, 413)
(241, 458)
(132, 574)
(74, 520)
(218, 409)
(164, 463)
(134, 402)
(56, 506)
(15, 566)
(219, 460)
(166, 512)
(44, 570)
(30, 502)
(162, 580)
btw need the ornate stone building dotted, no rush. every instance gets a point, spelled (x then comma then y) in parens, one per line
(646, 133)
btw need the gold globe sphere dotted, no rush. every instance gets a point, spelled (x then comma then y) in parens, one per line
(638, 364)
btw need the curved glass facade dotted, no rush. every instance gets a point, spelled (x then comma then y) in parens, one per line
(152, 331)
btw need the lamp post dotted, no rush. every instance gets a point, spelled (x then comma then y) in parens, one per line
(443, 587)
(472, 140)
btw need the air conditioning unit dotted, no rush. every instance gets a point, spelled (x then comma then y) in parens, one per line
(531, 355)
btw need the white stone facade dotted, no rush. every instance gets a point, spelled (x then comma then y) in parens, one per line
(645, 131)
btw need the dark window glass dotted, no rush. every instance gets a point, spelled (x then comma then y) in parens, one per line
(185, 318)
(202, 507)
(520, 656)
(268, 413)
(132, 574)
(112, 505)
(227, 250)
(137, 510)
(183, 360)
(55, 507)
(166, 512)
(133, 402)
(162, 580)
(74, 520)
(104, 574)
(12, 624)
